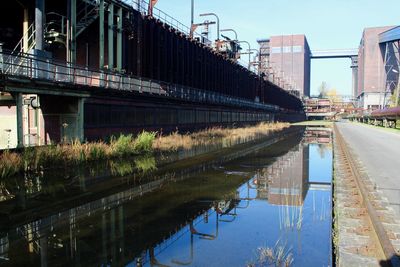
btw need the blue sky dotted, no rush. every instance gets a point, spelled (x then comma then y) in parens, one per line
(328, 24)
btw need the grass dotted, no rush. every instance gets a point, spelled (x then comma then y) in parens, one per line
(176, 141)
(10, 164)
(37, 158)
(33, 159)
(278, 255)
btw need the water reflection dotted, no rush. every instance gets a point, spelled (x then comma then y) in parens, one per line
(214, 211)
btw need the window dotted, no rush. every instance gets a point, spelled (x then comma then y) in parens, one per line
(297, 49)
(287, 49)
(276, 50)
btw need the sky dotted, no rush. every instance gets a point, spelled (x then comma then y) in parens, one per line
(327, 24)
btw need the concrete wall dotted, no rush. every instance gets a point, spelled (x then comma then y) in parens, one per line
(8, 127)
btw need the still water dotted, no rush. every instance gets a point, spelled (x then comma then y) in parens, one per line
(262, 203)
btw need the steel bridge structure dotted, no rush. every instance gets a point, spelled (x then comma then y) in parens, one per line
(89, 69)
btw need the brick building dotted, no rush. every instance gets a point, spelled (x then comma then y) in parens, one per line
(371, 78)
(285, 60)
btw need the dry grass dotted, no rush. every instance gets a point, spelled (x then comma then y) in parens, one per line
(10, 164)
(177, 141)
(32, 159)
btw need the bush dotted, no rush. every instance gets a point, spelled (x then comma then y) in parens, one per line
(123, 145)
(97, 151)
(144, 141)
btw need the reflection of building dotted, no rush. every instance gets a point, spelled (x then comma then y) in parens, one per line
(288, 178)
(317, 135)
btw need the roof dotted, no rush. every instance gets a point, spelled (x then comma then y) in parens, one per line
(390, 35)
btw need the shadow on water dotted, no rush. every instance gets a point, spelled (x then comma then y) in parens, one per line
(155, 211)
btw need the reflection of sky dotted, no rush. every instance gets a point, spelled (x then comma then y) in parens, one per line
(256, 226)
(259, 225)
(320, 168)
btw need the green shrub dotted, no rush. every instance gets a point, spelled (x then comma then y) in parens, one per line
(123, 145)
(144, 141)
(97, 151)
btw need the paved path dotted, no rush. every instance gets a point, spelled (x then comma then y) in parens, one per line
(379, 152)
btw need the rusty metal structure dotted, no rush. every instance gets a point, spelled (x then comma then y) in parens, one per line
(103, 67)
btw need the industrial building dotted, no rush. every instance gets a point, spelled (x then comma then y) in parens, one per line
(285, 59)
(373, 90)
(88, 69)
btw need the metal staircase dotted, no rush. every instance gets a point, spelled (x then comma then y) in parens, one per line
(87, 13)
(56, 28)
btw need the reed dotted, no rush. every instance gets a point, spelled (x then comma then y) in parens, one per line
(10, 164)
(176, 141)
(279, 255)
(33, 159)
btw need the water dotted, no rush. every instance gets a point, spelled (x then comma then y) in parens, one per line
(221, 209)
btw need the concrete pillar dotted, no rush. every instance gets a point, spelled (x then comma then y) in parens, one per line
(101, 34)
(73, 31)
(110, 36)
(119, 39)
(80, 119)
(39, 23)
(25, 34)
(20, 119)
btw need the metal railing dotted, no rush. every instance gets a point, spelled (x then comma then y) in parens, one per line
(142, 7)
(38, 68)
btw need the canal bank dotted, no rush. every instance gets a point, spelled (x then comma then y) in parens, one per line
(366, 222)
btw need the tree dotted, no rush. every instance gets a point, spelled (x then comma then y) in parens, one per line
(323, 90)
(332, 95)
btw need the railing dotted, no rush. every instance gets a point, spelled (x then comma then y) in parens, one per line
(34, 67)
(142, 7)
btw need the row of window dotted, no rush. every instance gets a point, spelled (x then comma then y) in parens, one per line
(286, 49)
(117, 116)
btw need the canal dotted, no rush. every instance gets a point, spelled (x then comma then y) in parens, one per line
(266, 202)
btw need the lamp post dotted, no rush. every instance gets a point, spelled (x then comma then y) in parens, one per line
(230, 30)
(192, 14)
(215, 15)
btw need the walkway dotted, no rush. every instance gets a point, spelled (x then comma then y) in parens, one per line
(379, 152)
(375, 152)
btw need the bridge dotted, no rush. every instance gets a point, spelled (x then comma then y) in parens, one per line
(334, 53)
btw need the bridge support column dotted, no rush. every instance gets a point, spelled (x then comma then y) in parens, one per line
(110, 36)
(101, 35)
(20, 119)
(39, 22)
(63, 118)
(119, 39)
(80, 119)
(71, 42)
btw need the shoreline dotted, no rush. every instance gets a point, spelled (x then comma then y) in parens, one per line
(34, 159)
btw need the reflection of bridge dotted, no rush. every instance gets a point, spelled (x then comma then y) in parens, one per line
(319, 186)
